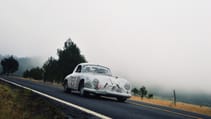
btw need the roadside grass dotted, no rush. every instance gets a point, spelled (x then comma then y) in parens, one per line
(18, 103)
(41, 82)
(179, 105)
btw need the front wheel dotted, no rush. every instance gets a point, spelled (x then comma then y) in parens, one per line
(82, 91)
(121, 99)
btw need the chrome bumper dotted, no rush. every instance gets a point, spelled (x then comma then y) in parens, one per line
(108, 93)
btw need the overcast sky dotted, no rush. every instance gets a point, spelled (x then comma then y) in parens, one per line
(165, 43)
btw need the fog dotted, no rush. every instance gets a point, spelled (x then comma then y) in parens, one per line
(160, 44)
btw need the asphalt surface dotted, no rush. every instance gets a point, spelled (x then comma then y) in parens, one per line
(111, 107)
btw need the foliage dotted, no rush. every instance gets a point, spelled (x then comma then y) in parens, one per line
(150, 96)
(35, 73)
(9, 65)
(142, 91)
(24, 63)
(68, 58)
(51, 72)
(19, 103)
(27, 63)
(135, 91)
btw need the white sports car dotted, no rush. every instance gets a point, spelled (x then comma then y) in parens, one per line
(96, 79)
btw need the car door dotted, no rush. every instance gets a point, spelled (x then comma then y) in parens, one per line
(76, 78)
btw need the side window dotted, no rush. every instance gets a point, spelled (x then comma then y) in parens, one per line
(78, 70)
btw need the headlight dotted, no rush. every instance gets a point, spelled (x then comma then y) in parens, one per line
(127, 86)
(95, 83)
(88, 84)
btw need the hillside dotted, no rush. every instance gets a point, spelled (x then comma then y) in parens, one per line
(25, 63)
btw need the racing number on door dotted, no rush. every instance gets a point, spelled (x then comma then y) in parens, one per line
(74, 82)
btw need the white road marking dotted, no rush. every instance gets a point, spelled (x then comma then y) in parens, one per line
(59, 100)
(165, 110)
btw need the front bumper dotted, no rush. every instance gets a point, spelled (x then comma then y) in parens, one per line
(108, 93)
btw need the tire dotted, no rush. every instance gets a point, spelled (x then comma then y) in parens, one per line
(66, 88)
(121, 99)
(83, 93)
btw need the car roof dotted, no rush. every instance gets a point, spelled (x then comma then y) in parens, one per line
(83, 64)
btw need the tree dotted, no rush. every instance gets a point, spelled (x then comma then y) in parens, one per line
(26, 74)
(51, 72)
(150, 96)
(135, 91)
(35, 73)
(142, 92)
(68, 58)
(9, 65)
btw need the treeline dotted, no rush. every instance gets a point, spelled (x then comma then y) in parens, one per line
(24, 63)
(35, 73)
(142, 92)
(54, 70)
(9, 65)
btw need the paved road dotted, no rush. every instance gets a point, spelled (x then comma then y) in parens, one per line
(110, 107)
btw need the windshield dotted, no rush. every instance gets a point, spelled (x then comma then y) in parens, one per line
(96, 69)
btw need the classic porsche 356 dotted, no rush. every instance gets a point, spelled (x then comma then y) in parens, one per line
(98, 80)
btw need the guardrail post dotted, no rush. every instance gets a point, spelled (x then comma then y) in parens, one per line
(174, 92)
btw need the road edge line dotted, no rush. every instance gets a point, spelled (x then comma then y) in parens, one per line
(59, 100)
(165, 110)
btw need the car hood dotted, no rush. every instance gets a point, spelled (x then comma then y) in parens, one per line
(110, 80)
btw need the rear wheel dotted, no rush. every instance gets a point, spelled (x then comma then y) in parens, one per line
(121, 99)
(66, 88)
